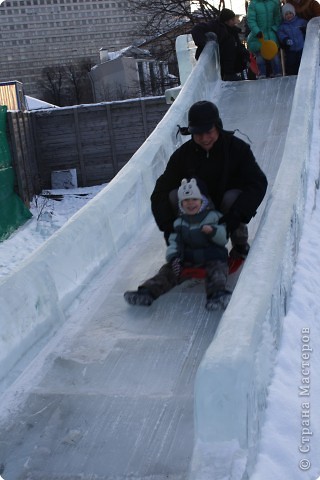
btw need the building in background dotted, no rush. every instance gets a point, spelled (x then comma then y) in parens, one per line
(129, 73)
(38, 34)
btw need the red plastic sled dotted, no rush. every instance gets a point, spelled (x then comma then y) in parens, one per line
(199, 272)
(193, 272)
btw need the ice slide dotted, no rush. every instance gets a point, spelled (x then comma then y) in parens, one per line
(111, 395)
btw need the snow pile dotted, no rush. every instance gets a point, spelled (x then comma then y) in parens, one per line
(50, 211)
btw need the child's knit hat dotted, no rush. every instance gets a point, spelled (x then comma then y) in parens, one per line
(287, 7)
(189, 190)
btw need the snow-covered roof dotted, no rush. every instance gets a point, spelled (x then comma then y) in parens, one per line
(131, 51)
(36, 104)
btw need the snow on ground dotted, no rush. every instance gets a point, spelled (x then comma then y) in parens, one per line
(50, 211)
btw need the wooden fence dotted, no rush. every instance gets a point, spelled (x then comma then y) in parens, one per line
(97, 140)
(21, 141)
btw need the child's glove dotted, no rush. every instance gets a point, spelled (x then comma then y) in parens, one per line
(176, 266)
(259, 35)
(209, 230)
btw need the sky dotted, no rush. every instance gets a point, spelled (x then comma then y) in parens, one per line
(238, 6)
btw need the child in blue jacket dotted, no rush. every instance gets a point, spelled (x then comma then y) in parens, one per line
(198, 240)
(291, 34)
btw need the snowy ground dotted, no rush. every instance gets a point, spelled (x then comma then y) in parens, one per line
(50, 211)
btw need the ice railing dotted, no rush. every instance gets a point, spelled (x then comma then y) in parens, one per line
(232, 380)
(185, 50)
(35, 298)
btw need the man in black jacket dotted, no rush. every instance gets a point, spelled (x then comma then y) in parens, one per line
(234, 57)
(226, 164)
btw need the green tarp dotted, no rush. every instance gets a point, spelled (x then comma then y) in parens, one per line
(13, 212)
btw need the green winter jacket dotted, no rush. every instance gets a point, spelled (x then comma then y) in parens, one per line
(263, 16)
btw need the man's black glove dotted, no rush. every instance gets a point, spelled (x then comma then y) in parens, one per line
(232, 221)
(176, 266)
(211, 36)
(166, 237)
(167, 230)
(259, 35)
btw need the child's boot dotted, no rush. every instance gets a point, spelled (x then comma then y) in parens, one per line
(218, 300)
(142, 296)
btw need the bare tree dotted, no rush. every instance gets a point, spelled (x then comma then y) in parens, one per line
(73, 82)
(77, 82)
(67, 84)
(51, 84)
(165, 20)
(164, 15)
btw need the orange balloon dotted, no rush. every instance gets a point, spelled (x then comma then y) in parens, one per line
(269, 49)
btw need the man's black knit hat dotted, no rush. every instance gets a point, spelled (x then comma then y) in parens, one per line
(226, 15)
(203, 116)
